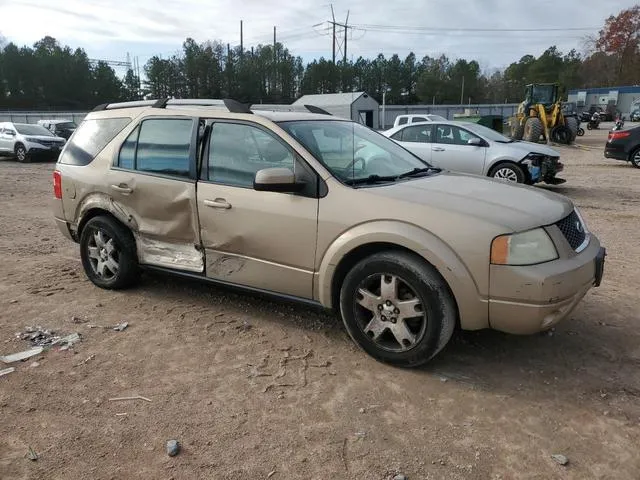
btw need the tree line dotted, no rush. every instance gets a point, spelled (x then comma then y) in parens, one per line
(49, 75)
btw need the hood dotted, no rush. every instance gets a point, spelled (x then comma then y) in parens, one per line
(513, 206)
(529, 147)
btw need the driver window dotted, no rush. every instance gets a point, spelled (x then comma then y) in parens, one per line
(452, 135)
(238, 151)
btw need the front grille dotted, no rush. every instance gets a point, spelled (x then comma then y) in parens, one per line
(573, 229)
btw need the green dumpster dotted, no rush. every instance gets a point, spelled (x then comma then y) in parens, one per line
(495, 122)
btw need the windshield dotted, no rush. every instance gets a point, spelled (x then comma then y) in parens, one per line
(353, 152)
(543, 94)
(487, 133)
(25, 129)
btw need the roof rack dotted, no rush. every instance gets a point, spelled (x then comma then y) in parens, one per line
(231, 105)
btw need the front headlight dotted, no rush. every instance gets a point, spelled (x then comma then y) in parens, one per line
(525, 248)
(31, 139)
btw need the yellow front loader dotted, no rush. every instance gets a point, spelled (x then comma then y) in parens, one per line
(540, 116)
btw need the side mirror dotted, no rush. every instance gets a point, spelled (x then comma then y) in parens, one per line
(476, 142)
(276, 180)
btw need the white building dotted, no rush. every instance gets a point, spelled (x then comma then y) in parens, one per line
(357, 106)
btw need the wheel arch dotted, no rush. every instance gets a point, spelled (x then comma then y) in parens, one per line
(368, 239)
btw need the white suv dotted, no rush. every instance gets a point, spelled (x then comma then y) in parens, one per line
(26, 141)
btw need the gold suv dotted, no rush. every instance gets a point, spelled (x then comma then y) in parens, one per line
(311, 207)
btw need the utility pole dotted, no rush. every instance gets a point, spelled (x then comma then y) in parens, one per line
(334, 34)
(275, 62)
(462, 93)
(340, 46)
(346, 30)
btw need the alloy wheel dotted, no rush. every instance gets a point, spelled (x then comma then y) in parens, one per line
(506, 174)
(389, 312)
(103, 255)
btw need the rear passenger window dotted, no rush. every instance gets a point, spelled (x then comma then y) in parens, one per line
(90, 138)
(161, 146)
(418, 119)
(403, 120)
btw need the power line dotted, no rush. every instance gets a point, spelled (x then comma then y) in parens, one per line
(405, 28)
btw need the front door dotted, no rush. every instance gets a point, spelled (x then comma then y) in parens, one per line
(153, 181)
(264, 240)
(6, 140)
(451, 151)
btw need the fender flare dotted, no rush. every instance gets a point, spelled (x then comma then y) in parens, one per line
(418, 240)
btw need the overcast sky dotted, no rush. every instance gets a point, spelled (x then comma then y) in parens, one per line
(108, 29)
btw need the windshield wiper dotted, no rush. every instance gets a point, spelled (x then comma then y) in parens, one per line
(419, 171)
(370, 180)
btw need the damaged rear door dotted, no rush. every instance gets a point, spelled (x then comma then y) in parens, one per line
(264, 240)
(153, 180)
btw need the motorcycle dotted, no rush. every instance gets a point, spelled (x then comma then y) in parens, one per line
(619, 124)
(593, 121)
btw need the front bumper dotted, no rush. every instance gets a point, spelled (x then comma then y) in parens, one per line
(530, 299)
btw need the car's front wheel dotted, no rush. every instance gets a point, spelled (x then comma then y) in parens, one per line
(108, 253)
(509, 172)
(397, 308)
(21, 153)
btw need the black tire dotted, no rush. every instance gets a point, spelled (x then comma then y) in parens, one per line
(580, 132)
(517, 130)
(533, 129)
(572, 124)
(21, 153)
(634, 158)
(561, 134)
(430, 330)
(509, 172)
(124, 254)
(589, 127)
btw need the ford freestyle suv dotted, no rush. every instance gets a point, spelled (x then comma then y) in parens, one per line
(311, 207)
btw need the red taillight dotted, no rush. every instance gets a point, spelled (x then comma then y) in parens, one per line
(57, 184)
(618, 135)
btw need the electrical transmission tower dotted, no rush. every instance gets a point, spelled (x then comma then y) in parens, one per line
(340, 35)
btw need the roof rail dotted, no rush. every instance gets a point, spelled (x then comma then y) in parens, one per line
(314, 109)
(164, 102)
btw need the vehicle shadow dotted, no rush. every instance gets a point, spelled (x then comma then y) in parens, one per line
(582, 360)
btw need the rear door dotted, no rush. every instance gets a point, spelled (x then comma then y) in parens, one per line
(416, 139)
(4, 139)
(451, 150)
(264, 240)
(153, 180)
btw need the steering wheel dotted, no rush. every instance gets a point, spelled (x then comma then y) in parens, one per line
(352, 164)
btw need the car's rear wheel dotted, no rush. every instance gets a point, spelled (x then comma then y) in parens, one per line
(108, 253)
(397, 308)
(509, 172)
(21, 153)
(635, 158)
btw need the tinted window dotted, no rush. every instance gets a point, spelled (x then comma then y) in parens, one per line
(164, 146)
(90, 138)
(451, 135)
(403, 121)
(397, 135)
(127, 156)
(237, 152)
(418, 119)
(417, 134)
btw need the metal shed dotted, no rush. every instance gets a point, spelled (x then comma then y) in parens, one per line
(358, 106)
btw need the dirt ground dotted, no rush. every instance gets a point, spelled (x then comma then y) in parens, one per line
(250, 386)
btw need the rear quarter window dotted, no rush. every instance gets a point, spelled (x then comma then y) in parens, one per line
(90, 138)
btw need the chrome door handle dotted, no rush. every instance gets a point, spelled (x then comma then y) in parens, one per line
(218, 203)
(438, 149)
(122, 188)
